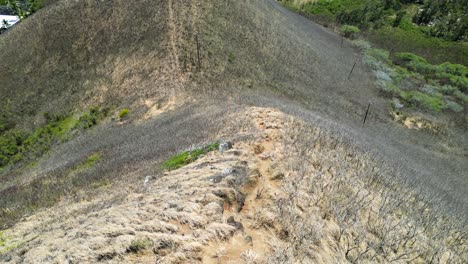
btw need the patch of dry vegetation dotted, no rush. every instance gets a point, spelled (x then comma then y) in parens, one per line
(286, 193)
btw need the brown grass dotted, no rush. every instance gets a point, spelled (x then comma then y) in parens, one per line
(332, 206)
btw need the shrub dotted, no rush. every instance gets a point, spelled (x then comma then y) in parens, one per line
(138, 245)
(90, 118)
(350, 31)
(231, 57)
(454, 69)
(379, 54)
(455, 107)
(399, 16)
(388, 88)
(89, 162)
(463, 97)
(361, 44)
(123, 114)
(447, 89)
(431, 102)
(188, 157)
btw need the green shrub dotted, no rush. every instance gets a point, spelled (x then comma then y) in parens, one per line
(462, 96)
(415, 41)
(388, 88)
(141, 244)
(231, 57)
(433, 102)
(398, 18)
(89, 162)
(123, 113)
(11, 145)
(86, 121)
(361, 44)
(379, 54)
(188, 157)
(415, 63)
(350, 31)
(446, 89)
(16, 145)
(453, 69)
(90, 118)
(455, 107)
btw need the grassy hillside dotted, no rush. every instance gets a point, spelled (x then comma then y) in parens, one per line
(119, 107)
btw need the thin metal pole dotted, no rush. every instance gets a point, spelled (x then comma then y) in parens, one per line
(198, 50)
(367, 113)
(351, 72)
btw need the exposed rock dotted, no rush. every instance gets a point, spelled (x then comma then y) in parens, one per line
(232, 222)
(225, 146)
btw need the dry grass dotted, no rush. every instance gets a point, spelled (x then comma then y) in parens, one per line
(143, 57)
(333, 205)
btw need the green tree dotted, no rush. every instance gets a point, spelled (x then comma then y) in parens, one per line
(22, 8)
(446, 19)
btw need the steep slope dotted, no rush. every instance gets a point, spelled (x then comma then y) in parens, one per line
(145, 57)
(285, 193)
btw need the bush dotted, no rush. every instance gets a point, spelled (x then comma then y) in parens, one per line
(361, 44)
(138, 245)
(455, 107)
(187, 157)
(90, 118)
(89, 162)
(431, 102)
(17, 145)
(379, 54)
(123, 113)
(350, 31)
(463, 97)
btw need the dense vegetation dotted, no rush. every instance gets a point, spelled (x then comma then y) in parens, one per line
(426, 28)
(21, 8)
(19, 145)
(413, 82)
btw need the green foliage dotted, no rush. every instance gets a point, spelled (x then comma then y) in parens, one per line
(389, 24)
(414, 40)
(188, 157)
(399, 17)
(447, 19)
(431, 102)
(89, 162)
(123, 113)
(231, 57)
(11, 146)
(6, 244)
(17, 145)
(461, 96)
(141, 244)
(350, 31)
(23, 8)
(414, 63)
(379, 54)
(91, 118)
(417, 82)
(446, 73)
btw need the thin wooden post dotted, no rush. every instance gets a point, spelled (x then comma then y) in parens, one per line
(352, 69)
(342, 40)
(367, 113)
(198, 50)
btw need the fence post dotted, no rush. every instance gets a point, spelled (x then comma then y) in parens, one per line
(367, 113)
(352, 69)
(198, 50)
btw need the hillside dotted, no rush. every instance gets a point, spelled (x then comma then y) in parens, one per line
(107, 107)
